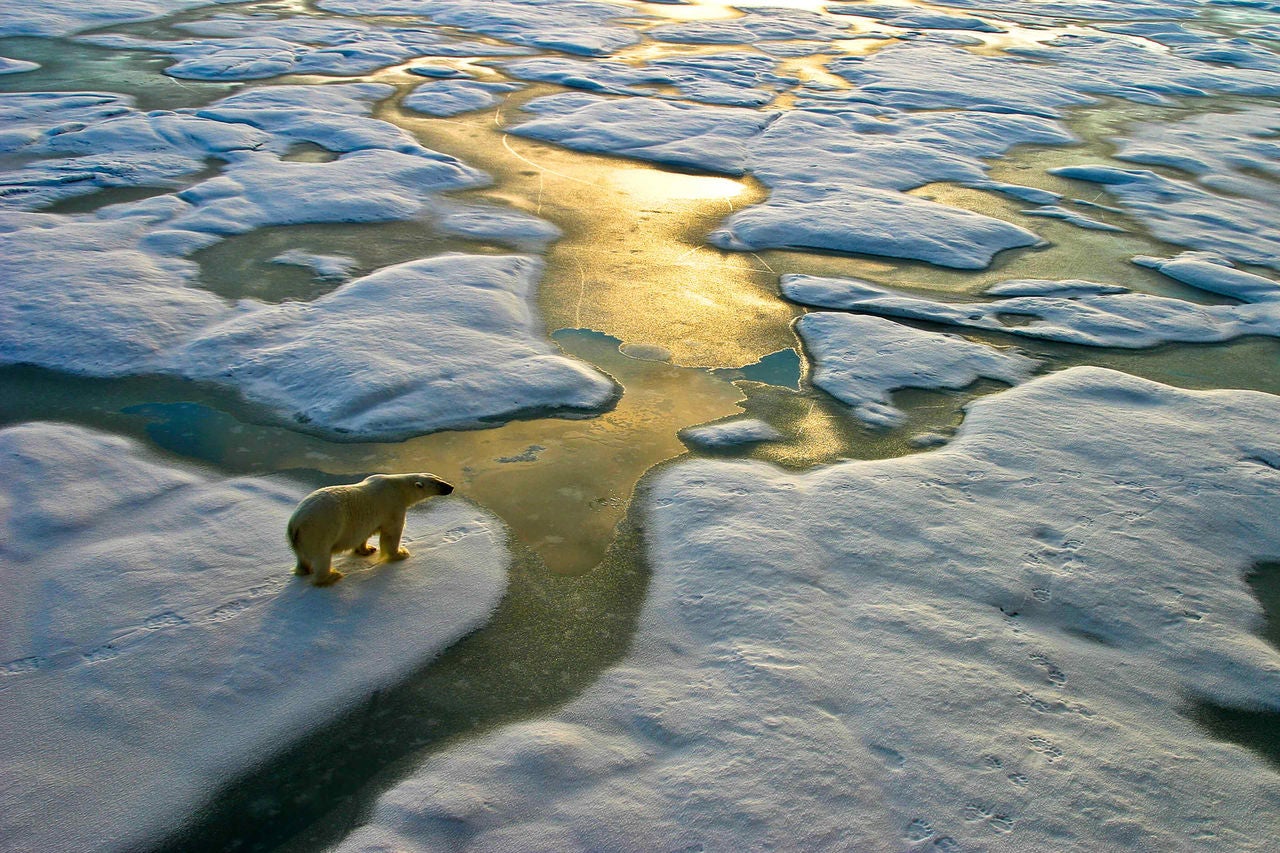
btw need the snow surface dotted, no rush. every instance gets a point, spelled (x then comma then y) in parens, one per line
(984, 647)
(730, 433)
(156, 643)
(1076, 312)
(860, 360)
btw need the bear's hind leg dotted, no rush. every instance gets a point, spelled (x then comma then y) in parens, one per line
(364, 549)
(389, 540)
(325, 574)
(302, 568)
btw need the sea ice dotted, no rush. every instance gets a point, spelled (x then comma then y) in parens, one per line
(572, 26)
(444, 342)
(453, 97)
(41, 18)
(1072, 311)
(16, 66)
(1179, 212)
(859, 360)
(1067, 71)
(712, 138)
(990, 646)
(85, 296)
(873, 222)
(731, 79)
(312, 45)
(322, 266)
(156, 644)
(732, 433)
(832, 173)
(755, 25)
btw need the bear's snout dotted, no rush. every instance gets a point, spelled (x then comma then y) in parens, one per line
(446, 488)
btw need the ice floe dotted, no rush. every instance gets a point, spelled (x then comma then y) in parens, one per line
(322, 266)
(833, 174)
(41, 18)
(1077, 312)
(971, 648)
(444, 342)
(310, 45)
(1179, 212)
(452, 97)
(1050, 77)
(859, 360)
(16, 66)
(572, 26)
(733, 433)
(755, 25)
(732, 79)
(157, 645)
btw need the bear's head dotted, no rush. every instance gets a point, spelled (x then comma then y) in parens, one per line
(422, 486)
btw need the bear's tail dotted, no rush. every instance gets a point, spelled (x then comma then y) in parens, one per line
(293, 536)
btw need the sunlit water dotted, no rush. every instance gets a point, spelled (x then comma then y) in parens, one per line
(631, 276)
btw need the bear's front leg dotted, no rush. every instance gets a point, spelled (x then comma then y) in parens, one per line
(389, 540)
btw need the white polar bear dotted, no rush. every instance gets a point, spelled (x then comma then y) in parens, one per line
(342, 518)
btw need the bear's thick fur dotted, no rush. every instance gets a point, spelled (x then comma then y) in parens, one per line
(342, 518)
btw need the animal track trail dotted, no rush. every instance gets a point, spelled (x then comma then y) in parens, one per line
(1052, 673)
(918, 829)
(997, 822)
(1045, 747)
(124, 640)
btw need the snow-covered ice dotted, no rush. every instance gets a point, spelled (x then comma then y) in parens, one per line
(156, 643)
(984, 647)
(41, 18)
(1076, 312)
(572, 26)
(834, 175)
(453, 97)
(322, 266)
(312, 45)
(859, 360)
(732, 433)
(438, 343)
(1238, 226)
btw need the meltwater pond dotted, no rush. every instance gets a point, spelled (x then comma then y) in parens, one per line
(693, 560)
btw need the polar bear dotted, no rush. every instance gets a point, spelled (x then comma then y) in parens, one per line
(342, 518)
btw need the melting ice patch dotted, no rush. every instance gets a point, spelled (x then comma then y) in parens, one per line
(453, 97)
(971, 648)
(730, 433)
(834, 175)
(1241, 228)
(156, 644)
(860, 360)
